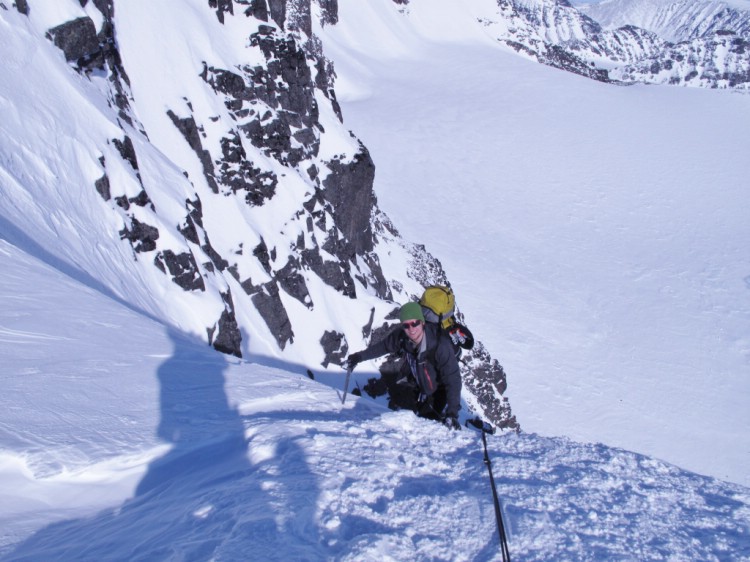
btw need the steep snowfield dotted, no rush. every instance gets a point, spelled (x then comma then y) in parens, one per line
(594, 234)
(123, 440)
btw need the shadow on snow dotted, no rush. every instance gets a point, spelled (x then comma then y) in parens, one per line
(204, 498)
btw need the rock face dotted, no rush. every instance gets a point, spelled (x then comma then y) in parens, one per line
(274, 217)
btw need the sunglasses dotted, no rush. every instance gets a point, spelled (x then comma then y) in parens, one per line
(408, 325)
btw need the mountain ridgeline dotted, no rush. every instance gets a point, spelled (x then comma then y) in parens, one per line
(703, 43)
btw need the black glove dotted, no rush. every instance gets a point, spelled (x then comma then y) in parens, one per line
(461, 336)
(353, 360)
(451, 422)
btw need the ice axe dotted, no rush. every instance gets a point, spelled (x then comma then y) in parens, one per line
(346, 384)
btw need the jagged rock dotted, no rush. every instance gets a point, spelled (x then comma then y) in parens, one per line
(335, 348)
(142, 236)
(486, 379)
(216, 259)
(261, 252)
(329, 11)
(277, 9)
(349, 190)
(22, 6)
(332, 273)
(270, 307)
(298, 16)
(424, 268)
(193, 221)
(77, 39)
(103, 188)
(559, 57)
(367, 328)
(257, 9)
(127, 151)
(142, 199)
(189, 230)
(376, 279)
(229, 339)
(290, 279)
(236, 172)
(718, 61)
(221, 6)
(182, 268)
(189, 130)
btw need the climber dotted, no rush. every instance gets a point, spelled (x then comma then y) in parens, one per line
(429, 369)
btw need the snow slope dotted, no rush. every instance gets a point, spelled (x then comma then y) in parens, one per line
(622, 320)
(150, 446)
(595, 235)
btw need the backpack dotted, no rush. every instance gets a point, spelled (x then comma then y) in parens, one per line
(438, 306)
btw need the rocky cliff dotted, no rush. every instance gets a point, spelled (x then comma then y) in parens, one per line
(230, 199)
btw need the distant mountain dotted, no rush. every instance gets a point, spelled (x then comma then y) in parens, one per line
(703, 44)
(673, 20)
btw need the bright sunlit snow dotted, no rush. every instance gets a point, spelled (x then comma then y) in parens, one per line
(595, 236)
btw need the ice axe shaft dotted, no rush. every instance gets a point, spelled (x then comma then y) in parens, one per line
(346, 385)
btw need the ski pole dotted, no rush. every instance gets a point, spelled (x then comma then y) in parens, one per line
(486, 428)
(346, 384)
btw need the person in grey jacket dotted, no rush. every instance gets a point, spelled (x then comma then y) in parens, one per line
(432, 365)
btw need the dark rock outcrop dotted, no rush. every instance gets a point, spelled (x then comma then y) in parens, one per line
(335, 348)
(142, 236)
(272, 310)
(229, 338)
(349, 190)
(77, 39)
(182, 268)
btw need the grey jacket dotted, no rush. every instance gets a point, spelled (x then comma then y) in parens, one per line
(435, 362)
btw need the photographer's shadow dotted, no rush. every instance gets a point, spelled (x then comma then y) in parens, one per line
(204, 498)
